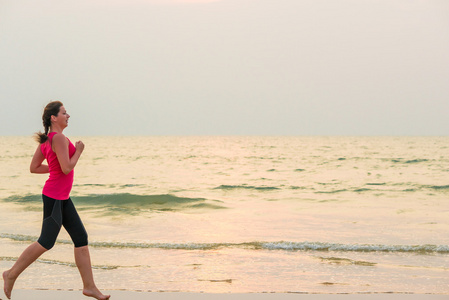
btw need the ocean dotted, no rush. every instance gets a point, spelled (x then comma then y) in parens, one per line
(238, 214)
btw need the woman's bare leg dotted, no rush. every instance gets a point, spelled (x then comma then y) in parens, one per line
(26, 258)
(82, 259)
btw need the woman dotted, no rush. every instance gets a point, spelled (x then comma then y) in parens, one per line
(62, 157)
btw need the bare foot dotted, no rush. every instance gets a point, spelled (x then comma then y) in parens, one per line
(95, 293)
(8, 284)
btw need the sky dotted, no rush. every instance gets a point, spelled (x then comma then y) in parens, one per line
(227, 67)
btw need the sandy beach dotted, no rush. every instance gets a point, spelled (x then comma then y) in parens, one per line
(75, 295)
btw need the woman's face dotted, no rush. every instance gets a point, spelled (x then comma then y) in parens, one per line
(62, 119)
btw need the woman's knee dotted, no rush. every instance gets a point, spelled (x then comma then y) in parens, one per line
(80, 239)
(49, 233)
(46, 242)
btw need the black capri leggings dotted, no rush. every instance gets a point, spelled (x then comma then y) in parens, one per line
(59, 213)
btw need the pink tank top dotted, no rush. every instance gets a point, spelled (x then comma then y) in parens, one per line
(58, 185)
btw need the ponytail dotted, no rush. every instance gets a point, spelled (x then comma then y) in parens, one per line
(52, 109)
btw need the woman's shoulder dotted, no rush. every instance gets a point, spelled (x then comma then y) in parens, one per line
(59, 138)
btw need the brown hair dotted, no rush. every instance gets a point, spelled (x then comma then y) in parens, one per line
(52, 109)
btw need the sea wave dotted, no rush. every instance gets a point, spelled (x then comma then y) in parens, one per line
(384, 187)
(406, 161)
(61, 263)
(248, 187)
(280, 245)
(438, 187)
(130, 202)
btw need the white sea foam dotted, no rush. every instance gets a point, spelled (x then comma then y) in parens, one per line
(282, 245)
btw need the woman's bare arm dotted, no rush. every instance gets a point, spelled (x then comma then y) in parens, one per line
(60, 145)
(36, 165)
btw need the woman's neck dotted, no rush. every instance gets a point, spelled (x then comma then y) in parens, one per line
(55, 128)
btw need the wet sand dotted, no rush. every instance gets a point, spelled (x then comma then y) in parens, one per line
(75, 295)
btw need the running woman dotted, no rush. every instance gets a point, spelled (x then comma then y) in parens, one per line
(62, 157)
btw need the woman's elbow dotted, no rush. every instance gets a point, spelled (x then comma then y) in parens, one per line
(66, 171)
(33, 169)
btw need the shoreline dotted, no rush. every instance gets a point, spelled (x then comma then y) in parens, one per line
(161, 295)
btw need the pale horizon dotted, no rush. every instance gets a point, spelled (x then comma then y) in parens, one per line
(227, 67)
